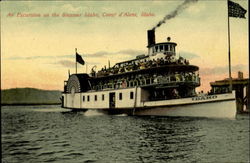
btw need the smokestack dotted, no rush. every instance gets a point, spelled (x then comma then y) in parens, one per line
(151, 37)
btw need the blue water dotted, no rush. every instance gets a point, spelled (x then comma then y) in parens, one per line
(51, 134)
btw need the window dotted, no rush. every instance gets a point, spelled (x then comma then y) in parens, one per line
(103, 97)
(165, 47)
(131, 95)
(88, 98)
(161, 47)
(156, 48)
(135, 83)
(120, 96)
(131, 83)
(95, 97)
(83, 98)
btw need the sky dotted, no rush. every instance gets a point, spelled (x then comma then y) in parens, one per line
(38, 42)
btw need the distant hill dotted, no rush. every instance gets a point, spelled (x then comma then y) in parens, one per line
(29, 96)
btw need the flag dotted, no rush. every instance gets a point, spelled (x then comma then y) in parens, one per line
(79, 59)
(235, 10)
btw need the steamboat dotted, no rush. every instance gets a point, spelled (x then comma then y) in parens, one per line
(157, 84)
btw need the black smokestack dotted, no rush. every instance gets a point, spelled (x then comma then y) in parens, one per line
(174, 13)
(151, 37)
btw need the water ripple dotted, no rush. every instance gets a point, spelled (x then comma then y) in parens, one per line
(31, 134)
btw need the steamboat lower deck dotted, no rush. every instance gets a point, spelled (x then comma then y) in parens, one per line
(136, 101)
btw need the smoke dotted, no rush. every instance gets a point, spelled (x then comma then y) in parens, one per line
(174, 13)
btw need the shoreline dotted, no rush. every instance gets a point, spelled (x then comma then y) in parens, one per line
(27, 104)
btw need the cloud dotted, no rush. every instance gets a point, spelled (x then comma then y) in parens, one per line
(125, 54)
(28, 58)
(71, 64)
(196, 9)
(128, 52)
(66, 63)
(91, 59)
(66, 56)
(131, 52)
(40, 57)
(98, 54)
(188, 55)
(70, 8)
(222, 70)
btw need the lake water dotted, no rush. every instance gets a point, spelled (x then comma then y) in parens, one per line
(51, 134)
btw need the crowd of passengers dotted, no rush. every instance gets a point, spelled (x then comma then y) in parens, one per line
(219, 90)
(146, 79)
(142, 64)
(174, 94)
(167, 94)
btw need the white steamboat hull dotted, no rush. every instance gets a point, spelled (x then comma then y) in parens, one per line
(216, 106)
(215, 109)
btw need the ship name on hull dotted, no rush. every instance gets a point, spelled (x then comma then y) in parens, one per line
(204, 98)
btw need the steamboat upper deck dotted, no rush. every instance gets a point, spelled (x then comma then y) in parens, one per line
(159, 72)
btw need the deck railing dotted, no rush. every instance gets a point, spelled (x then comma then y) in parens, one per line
(150, 81)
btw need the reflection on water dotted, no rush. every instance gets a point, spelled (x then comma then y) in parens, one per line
(163, 136)
(92, 113)
(52, 134)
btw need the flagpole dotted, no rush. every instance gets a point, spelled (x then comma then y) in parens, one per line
(229, 50)
(76, 61)
(76, 67)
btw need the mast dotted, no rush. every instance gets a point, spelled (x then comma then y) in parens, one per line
(229, 50)
(76, 60)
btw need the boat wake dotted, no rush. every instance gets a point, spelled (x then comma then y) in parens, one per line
(51, 110)
(100, 113)
(89, 113)
(121, 115)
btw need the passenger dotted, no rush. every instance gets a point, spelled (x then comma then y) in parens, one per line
(116, 70)
(93, 73)
(172, 78)
(167, 60)
(155, 80)
(193, 77)
(124, 83)
(177, 77)
(150, 62)
(181, 60)
(134, 66)
(142, 65)
(202, 94)
(175, 93)
(172, 59)
(121, 70)
(189, 77)
(158, 62)
(154, 63)
(161, 61)
(129, 68)
(186, 76)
